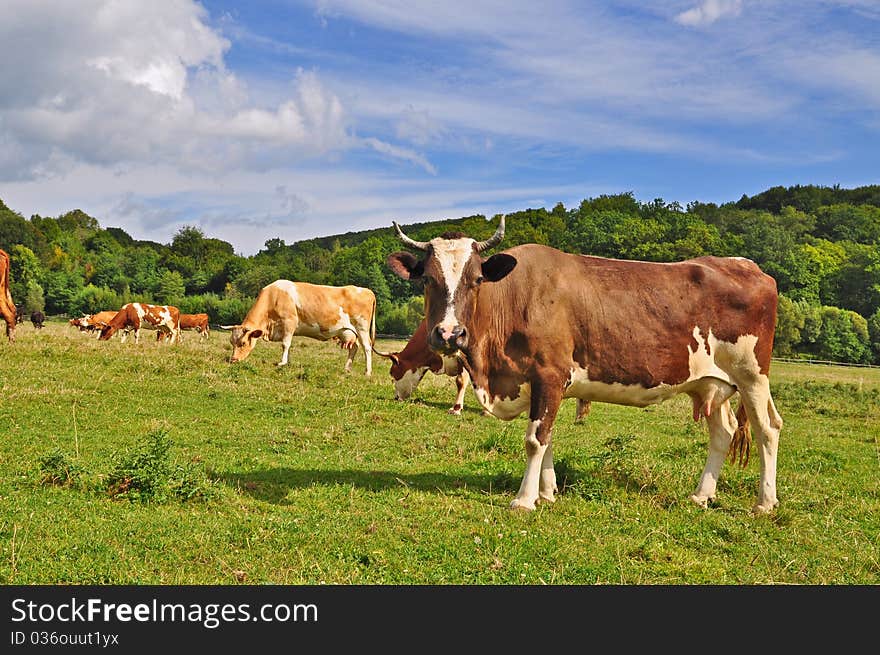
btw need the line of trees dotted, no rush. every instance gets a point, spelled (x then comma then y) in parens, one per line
(821, 244)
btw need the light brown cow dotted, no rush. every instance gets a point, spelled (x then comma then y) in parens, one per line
(197, 322)
(286, 309)
(93, 322)
(7, 306)
(534, 325)
(135, 315)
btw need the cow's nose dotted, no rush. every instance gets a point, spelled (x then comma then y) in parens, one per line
(447, 340)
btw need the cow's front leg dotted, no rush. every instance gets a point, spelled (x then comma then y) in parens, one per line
(285, 349)
(461, 383)
(539, 480)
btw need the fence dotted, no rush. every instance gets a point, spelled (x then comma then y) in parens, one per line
(796, 360)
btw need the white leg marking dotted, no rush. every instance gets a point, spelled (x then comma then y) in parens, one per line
(461, 382)
(547, 487)
(766, 425)
(722, 425)
(285, 349)
(364, 338)
(528, 488)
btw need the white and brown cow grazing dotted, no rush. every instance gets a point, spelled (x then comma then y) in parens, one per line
(7, 306)
(286, 309)
(534, 325)
(197, 322)
(135, 315)
(409, 366)
(93, 322)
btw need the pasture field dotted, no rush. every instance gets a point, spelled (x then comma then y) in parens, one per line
(158, 464)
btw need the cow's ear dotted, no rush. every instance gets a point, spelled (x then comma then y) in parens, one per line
(255, 334)
(406, 265)
(498, 266)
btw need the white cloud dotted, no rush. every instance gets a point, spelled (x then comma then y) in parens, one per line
(127, 82)
(709, 11)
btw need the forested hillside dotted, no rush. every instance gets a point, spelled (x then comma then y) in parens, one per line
(822, 244)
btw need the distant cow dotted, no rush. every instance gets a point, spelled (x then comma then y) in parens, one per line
(19, 314)
(286, 309)
(197, 322)
(409, 366)
(534, 325)
(37, 319)
(7, 306)
(135, 315)
(93, 322)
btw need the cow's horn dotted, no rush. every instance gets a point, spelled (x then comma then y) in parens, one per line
(493, 240)
(419, 245)
(226, 327)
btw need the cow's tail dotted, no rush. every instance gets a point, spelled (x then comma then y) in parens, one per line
(741, 444)
(373, 332)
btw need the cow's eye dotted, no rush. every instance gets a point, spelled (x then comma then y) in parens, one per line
(479, 280)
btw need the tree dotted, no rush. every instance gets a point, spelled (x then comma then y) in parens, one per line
(789, 323)
(170, 288)
(874, 335)
(25, 270)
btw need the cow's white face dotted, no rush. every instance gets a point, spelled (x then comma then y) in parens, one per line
(452, 272)
(242, 341)
(407, 382)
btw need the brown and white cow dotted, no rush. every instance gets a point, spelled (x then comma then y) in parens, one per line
(7, 306)
(285, 309)
(197, 322)
(534, 325)
(135, 315)
(93, 322)
(410, 365)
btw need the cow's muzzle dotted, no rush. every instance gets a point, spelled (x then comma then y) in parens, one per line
(446, 341)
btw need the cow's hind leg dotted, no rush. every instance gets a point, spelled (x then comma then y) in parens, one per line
(364, 338)
(766, 424)
(722, 425)
(352, 348)
(539, 479)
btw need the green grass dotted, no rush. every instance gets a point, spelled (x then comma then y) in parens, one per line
(306, 475)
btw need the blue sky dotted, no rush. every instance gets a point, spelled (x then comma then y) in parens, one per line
(296, 119)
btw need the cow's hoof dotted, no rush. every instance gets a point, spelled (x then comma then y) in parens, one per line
(453, 411)
(522, 505)
(544, 498)
(701, 501)
(764, 508)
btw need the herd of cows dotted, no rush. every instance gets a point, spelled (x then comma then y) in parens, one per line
(530, 326)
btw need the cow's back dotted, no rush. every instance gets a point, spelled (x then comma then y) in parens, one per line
(320, 304)
(627, 322)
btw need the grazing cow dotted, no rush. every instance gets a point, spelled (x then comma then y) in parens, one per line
(19, 314)
(286, 309)
(7, 306)
(37, 319)
(93, 322)
(409, 366)
(534, 325)
(197, 322)
(135, 315)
